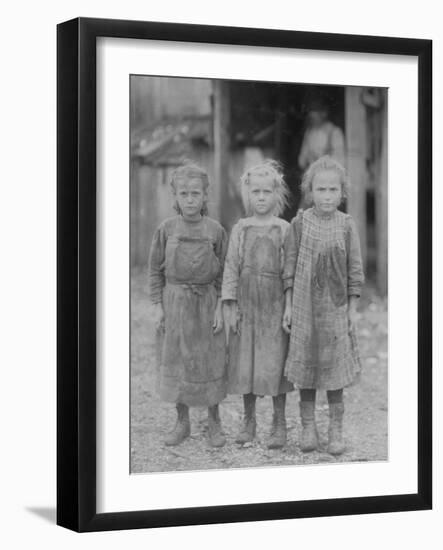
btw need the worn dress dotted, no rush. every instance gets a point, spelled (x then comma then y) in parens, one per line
(253, 277)
(323, 266)
(185, 273)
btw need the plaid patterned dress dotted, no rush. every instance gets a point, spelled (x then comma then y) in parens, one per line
(323, 266)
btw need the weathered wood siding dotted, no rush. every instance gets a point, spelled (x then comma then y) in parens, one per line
(355, 130)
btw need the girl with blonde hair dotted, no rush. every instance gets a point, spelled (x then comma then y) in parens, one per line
(253, 300)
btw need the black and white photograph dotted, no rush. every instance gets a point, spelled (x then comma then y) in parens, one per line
(258, 274)
(221, 285)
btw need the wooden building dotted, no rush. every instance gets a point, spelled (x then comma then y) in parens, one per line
(228, 125)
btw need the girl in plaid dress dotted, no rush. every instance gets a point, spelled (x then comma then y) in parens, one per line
(323, 277)
(253, 298)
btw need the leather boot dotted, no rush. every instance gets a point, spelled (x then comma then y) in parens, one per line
(336, 444)
(247, 432)
(215, 434)
(182, 428)
(277, 437)
(309, 437)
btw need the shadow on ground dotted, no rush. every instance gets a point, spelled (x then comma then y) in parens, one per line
(48, 514)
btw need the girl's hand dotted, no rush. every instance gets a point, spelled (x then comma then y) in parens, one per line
(218, 319)
(287, 320)
(231, 316)
(353, 317)
(159, 317)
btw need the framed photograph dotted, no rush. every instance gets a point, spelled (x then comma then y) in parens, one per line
(244, 274)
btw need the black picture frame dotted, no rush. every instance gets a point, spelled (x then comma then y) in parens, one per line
(76, 274)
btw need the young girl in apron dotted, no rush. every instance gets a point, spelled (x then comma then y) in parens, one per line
(323, 278)
(185, 274)
(253, 299)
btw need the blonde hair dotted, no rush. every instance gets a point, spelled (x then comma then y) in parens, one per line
(273, 169)
(322, 164)
(188, 171)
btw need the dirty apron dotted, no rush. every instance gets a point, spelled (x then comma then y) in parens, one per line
(192, 368)
(323, 351)
(257, 355)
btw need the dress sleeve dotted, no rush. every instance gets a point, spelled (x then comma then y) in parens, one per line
(356, 276)
(338, 145)
(156, 271)
(232, 266)
(221, 246)
(303, 157)
(290, 247)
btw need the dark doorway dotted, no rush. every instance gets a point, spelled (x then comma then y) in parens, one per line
(272, 116)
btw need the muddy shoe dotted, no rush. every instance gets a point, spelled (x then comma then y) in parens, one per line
(309, 437)
(336, 444)
(182, 428)
(277, 437)
(247, 431)
(249, 426)
(215, 434)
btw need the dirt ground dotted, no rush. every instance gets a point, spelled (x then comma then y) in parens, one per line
(366, 407)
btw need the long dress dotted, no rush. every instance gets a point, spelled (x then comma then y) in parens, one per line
(253, 277)
(185, 273)
(323, 266)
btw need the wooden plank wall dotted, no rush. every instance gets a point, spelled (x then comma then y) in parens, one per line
(381, 209)
(355, 131)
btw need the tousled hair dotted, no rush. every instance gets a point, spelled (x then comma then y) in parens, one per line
(188, 171)
(324, 163)
(267, 168)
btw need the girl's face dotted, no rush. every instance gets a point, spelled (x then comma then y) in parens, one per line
(326, 191)
(262, 196)
(190, 197)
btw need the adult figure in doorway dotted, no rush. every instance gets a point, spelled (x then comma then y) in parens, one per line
(321, 137)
